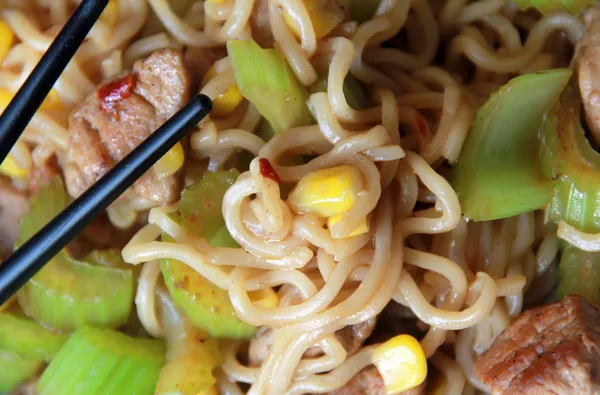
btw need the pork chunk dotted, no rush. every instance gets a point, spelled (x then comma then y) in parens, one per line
(369, 382)
(119, 115)
(587, 64)
(13, 206)
(551, 349)
(351, 337)
(200, 60)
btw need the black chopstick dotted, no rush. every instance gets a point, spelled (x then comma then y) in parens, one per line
(44, 245)
(28, 99)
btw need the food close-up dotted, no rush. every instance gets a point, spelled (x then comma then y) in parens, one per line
(386, 197)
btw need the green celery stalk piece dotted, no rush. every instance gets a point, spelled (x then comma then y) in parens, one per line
(353, 90)
(265, 79)
(103, 361)
(27, 338)
(546, 6)
(568, 159)
(68, 293)
(206, 305)
(15, 369)
(362, 10)
(497, 174)
(579, 273)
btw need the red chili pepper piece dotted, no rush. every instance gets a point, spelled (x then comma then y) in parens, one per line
(115, 91)
(267, 170)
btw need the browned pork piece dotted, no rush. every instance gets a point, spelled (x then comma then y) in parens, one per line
(13, 206)
(350, 337)
(551, 349)
(587, 65)
(369, 382)
(119, 115)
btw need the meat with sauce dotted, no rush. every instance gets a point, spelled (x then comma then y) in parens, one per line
(351, 337)
(13, 206)
(551, 349)
(369, 382)
(119, 115)
(587, 64)
(200, 60)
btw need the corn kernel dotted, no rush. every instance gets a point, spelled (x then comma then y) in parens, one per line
(170, 162)
(110, 15)
(401, 362)
(52, 101)
(325, 15)
(10, 168)
(7, 37)
(328, 192)
(362, 228)
(266, 298)
(227, 101)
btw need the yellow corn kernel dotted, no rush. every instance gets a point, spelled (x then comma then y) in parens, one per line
(325, 15)
(266, 298)
(10, 168)
(227, 101)
(363, 227)
(401, 362)
(52, 101)
(110, 15)
(7, 37)
(170, 162)
(328, 192)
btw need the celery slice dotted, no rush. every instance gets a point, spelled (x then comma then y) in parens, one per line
(546, 6)
(68, 293)
(497, 174)
(353, 90)
(206, 305)
(362, 10)
(103, 361)
(266, 80)
(579, 273)
(568, 159)
(15, 369)
(27, 338)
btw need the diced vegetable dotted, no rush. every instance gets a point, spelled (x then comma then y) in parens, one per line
(227, 101)
(568, 159)
(362, 10)
(110, 15)
(200, 205)
(579, 273)
(327, 192)
(170, 162)
(15, 369)
(265, 79)
(27, 338)
(206, 305)
(191, 356)
(546, 6)
(7, 37)
(266, 298)
(401, 362)
(67, 293)
(10, 168)
(497, 174)
(353, 91)
(325, 15)
(103, 361)
(361, 229)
